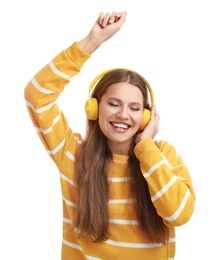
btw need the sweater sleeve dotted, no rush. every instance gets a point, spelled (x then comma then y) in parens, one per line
(41, 94)
(168, 180)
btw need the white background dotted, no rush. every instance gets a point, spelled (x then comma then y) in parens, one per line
(176, 45)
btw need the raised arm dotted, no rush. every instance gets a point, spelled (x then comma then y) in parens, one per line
(45, 87)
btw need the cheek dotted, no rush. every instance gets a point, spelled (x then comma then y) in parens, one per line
(103, 112)
(103, 115)
(137, 119)
(138, 123)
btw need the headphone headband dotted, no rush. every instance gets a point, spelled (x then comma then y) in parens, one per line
(109, 70)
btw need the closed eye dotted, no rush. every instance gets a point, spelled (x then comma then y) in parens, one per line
(135, 108)
(113, 104)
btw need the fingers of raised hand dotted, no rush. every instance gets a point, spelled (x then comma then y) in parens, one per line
(109, 18)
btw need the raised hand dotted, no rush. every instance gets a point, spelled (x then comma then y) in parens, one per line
(104, 28)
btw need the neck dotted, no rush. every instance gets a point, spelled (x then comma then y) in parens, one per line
(119, 148)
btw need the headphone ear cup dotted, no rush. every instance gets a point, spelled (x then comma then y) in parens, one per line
(91, 108)
(145, 119)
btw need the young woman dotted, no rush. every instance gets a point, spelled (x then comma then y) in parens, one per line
(123, 192)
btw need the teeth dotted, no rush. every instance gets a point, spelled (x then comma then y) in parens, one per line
(121, 126)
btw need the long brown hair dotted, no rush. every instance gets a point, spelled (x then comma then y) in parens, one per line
(92, 161)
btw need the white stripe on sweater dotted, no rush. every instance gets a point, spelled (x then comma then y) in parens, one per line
(57, 148)
(70, 203)
(70, 156)
(72, 245)
(59, 73)
(123, 221)
(62, 176)
(121, 201)
(41, 89)
(92, 258)
(66, 220)
(123, 179)
(48, 130)
(164, 189)
(132, 245)
(42, 109)
(152, 169)
(180, 209)
(136, 245)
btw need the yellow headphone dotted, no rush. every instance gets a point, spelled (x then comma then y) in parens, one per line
(91, 105)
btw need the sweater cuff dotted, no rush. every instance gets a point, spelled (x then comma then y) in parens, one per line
(144, 147)
(77, 55)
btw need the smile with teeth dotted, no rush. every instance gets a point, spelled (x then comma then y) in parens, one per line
(120, 125)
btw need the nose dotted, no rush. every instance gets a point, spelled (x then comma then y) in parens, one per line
(122, 113)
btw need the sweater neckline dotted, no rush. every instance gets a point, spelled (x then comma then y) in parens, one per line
(120, 158)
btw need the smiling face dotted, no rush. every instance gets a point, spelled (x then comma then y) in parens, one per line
(120, 115)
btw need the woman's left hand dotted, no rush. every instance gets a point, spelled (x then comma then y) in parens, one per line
(151, 129)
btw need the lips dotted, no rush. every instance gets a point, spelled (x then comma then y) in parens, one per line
(120, 126)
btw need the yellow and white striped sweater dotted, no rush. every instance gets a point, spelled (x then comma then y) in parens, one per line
(168, 178)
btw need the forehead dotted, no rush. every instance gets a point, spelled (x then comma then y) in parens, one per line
(124, 91)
